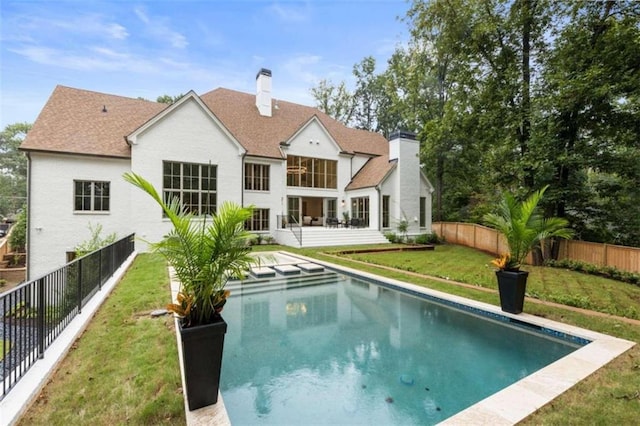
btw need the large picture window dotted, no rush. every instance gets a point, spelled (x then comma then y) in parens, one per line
(194, 184)
(256, 177)
(312, 172)
(259, 221)
(91, 196)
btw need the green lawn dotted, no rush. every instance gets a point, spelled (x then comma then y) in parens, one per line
(124, 368)
(553, 284)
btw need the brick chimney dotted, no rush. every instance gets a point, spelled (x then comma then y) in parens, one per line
(263, 92)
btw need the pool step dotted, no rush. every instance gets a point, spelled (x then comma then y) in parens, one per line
(285, 269)
(253, 286)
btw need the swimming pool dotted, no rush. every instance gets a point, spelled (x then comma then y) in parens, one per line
(342, 353)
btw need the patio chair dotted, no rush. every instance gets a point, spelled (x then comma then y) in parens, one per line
(332, 222)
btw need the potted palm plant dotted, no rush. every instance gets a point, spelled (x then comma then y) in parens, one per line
(205, 253)
(523, 227)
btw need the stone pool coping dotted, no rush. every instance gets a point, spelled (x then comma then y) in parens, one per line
(506, 407)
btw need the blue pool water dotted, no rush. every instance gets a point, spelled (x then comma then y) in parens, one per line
(334, 349)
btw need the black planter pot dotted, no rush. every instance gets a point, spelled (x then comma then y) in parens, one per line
(202, 356)
(511, 286)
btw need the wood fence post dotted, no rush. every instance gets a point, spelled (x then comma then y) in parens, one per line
(475, 246)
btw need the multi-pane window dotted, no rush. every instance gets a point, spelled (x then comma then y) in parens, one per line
(259, 221)
(256, 177)
(293, 207)
(385, 211)
(332, 207)
(423, 212)
(194, 184)
(312, 172)
(91, 196)
(360, 209)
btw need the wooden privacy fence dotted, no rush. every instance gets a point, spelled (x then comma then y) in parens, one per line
(489, 240)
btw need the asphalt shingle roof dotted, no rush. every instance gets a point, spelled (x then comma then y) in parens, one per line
(372, 173)
(84, 122)
(261, 135)
(73, 121)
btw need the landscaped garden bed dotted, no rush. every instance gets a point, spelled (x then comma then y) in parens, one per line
(406, 247)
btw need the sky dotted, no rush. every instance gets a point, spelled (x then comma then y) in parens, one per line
(168, 47)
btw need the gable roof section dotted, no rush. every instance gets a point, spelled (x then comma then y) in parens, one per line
(261, 136)
(189, 97)
(315, 120)
(374, 171)
(73, 121)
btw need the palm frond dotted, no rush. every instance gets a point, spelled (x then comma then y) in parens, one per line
(204, 253)
(523, 225)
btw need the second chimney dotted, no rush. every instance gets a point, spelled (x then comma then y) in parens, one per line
(263, 92)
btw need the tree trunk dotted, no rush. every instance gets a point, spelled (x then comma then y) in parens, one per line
(525, 129)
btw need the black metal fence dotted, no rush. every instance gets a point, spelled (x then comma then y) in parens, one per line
(35, 313)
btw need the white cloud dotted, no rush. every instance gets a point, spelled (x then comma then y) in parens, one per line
(158, 28)
(289, 13)
(141, 14)
(31, 27)
(303, 67)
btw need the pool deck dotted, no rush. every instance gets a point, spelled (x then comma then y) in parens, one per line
(506, 407)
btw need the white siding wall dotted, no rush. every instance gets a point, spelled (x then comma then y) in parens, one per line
(357, 162)
(391, 187)
(274, 199)
(426, 189)
(375, 205)
(54, 227)
(409, 180)
(186, 134)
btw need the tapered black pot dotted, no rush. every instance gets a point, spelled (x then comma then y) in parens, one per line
(512, 286)
(202, 356)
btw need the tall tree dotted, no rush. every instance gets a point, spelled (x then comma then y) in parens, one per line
(368, 94)
(334, 100)
(592, 88)
(168, 99)
(13, 168)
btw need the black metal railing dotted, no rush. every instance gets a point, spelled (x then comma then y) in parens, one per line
(34, 314)
(290, 222)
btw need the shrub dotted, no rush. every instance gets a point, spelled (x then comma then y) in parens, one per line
(95, 241)
(602, 271)
(427, 238)
(391, 236)
(18, 237)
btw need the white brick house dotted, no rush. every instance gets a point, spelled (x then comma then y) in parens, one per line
(288, 160)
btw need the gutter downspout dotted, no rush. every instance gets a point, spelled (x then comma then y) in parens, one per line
(28, 242)
(244, 154)
(379, 208)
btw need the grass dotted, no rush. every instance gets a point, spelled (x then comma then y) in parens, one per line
(5, 346)
(467, 265)
(124, 368)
